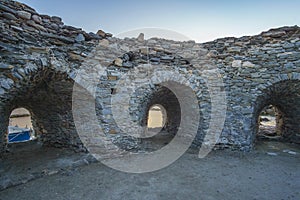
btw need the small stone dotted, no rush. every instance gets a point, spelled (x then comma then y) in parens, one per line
(5, 67)
(44, 62)
(144, 50)
(52, 172)
(212, 54)
(24, 15)
(17, 75)
(74, 56)
(56, 19)
(2, 91)
(292, 152)
(111, 78)
(104, 43)
(37, 26)
(101, 33)
(274, 34)
(37, 19)
(127, 64)
(9, 16)
(80, 38)
(248, 64)
(229, 59)
(155, 59)
(112, 131)
(236, 63)
(94, 36)
(234, 49)
(167, 57)
(255, 75)
(6, 83)
(152, 42)
(16, 28)
(272, 154)
(7, 9)
(141, 37)
(118, 62)
(108, 35)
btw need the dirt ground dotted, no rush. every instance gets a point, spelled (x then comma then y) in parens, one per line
(272, 171)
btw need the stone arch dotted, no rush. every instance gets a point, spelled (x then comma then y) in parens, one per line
(168, 100)
(284, 94)
(47, 94)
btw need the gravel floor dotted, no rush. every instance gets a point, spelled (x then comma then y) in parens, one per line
(270, 172)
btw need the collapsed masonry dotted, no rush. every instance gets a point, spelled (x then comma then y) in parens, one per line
(40, 57)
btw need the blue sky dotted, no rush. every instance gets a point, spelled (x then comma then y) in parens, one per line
(196, 19)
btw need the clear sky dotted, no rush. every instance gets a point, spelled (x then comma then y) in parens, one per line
(198, 20)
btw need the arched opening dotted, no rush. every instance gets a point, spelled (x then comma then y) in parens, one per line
(20, 127)
(161, 116)
(46, 94)
(270, 123)
(156, 120)
(284, 114)
(157, 115)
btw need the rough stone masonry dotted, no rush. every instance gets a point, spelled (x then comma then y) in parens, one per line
(40, 57)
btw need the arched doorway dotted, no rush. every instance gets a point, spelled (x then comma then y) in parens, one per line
(270, 123)
(282, 100)
(47, 94)
(157, 115)
(161, 115)
(20, 127)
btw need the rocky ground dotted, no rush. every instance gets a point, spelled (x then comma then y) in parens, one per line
(269, 172)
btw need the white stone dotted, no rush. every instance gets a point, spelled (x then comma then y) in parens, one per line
(104, 43)
(37, 19)
(236, 63)
(118, 62)
(292, 152)
(24, 14)
(248, 64)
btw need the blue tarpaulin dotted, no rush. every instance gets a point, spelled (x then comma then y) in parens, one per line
(17, 134)
(19, 137)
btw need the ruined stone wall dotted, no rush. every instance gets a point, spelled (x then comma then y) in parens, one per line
(40, 58)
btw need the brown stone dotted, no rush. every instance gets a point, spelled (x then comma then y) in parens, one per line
(112, 131)
(112, 78)
(101, 33)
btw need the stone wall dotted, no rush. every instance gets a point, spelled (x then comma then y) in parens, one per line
(40, 58)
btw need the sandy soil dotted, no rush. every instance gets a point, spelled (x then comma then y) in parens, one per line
(270, 172)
